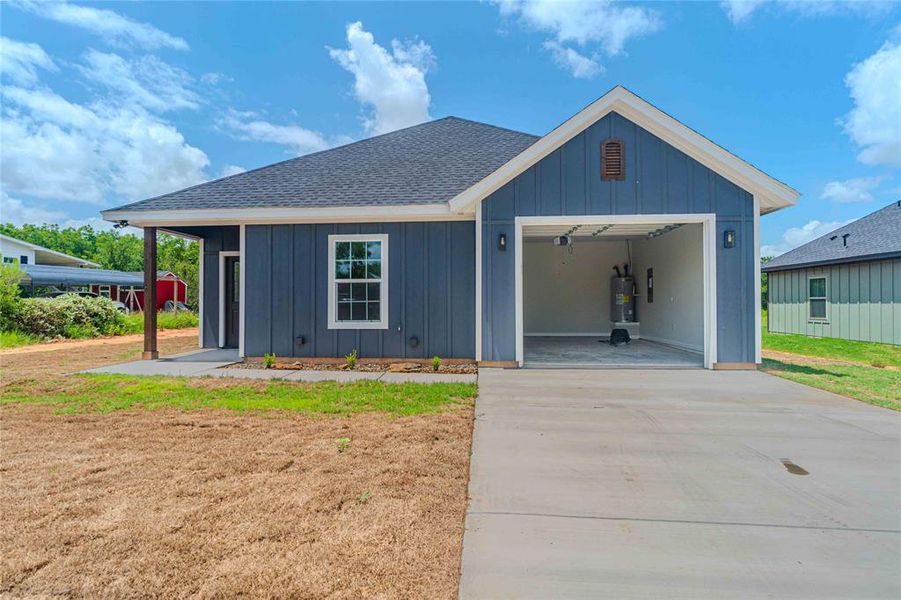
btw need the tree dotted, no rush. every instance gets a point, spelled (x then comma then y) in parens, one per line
(115, 250)
(10, 276)
(764, 284)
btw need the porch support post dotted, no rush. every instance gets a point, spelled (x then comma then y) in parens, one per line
(150, 350)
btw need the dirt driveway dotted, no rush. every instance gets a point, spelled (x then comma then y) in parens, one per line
(212, 503)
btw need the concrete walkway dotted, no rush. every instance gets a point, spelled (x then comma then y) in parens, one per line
(214, 363)
(679, 484)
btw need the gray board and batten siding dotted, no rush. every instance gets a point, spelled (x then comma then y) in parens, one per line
(431, 291)
(863, 301)
(659, 179)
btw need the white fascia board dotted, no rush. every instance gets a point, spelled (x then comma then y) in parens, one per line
(773, 194)
(266, 216)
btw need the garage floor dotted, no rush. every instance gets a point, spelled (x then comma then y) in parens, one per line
(678, 484)
(588, 351)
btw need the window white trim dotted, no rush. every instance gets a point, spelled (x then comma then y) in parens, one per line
(333, 322)
(708, 220)
(825, 298)
(105, 290)
(222, 255)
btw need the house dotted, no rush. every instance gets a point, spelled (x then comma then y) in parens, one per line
(466, 240)
(26, 253)
(45, 268)
(845, 284)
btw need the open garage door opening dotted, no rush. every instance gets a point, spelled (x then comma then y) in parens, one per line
(614, 293)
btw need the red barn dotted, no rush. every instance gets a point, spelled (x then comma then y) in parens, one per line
(169, 286)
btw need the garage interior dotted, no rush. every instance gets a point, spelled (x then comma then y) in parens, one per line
(583, 283)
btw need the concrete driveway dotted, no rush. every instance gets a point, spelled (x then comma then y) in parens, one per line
(679, 484)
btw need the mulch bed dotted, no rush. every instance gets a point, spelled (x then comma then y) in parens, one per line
(362, 365)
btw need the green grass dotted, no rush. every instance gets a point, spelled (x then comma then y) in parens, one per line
(134, 323)
(14, 339)
(831, 348)
(881, 387)
(109, 393)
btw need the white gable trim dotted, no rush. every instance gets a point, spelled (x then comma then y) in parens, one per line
(772, 194)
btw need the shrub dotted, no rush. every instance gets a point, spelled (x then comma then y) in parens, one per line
(351, 359)
(134, 323)
(68, 314)
(269, 360)
(10, 276)
(14, 339)
(436, 363)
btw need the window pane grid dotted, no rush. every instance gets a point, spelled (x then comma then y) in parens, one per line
(358, 271)
(817, 298)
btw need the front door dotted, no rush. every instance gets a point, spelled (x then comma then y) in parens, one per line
(232, 300)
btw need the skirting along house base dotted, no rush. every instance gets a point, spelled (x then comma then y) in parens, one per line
(467, 241)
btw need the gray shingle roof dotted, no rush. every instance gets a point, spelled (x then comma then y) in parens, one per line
(424, 164)
(877, 235)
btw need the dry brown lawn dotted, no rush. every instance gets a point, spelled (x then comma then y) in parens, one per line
(222, 504)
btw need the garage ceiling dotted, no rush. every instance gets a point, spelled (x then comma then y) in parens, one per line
(596, 231)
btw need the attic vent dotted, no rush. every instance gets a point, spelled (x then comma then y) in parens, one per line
(613, 160)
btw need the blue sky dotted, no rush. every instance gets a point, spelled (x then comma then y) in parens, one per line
(108, 103)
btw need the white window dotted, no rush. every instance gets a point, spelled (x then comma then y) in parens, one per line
(817, 298)
(104, 290)
(358, 281)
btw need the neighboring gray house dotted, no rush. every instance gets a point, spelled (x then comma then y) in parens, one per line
(845, 284)
(443, 239)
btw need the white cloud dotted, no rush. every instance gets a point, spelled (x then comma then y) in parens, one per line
(214, 78)
(797, 236)
(857, 189)
(579, 65)
(249, 126)
(740, 11)
(229, 170)
(390, 84)
(585, 21)
(113, 147)
(22, 212)
(113, 27)
(874, 124)
(147, 81)
(20, 61)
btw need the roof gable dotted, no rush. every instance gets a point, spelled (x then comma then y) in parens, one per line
(772, 193)
(877, 235)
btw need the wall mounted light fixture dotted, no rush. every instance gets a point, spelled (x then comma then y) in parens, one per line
(502, 242)
(729, 238)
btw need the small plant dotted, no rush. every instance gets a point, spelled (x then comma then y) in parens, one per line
(364, 497)
(879, 363)
(436, 363)
(343, 444)
(269, 360)
(351, 359)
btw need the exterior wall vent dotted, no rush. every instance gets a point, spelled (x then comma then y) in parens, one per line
(613, 160)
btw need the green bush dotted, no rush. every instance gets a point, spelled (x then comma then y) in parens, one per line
(10, 276)
(68, 315)
(134, 323)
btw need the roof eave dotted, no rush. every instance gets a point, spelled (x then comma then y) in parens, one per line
(835, 261)
(266, 216)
